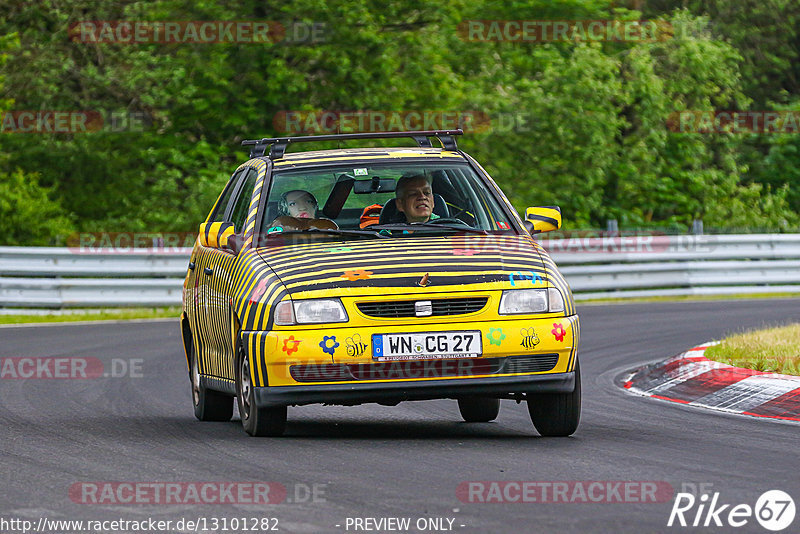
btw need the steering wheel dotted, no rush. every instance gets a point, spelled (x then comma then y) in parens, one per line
(449, 220)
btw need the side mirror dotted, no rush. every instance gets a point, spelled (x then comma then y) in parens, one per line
(216, 234)
(236, 243)
(542, 219)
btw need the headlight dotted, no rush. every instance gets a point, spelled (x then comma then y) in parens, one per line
(310, 312)
(516, 301)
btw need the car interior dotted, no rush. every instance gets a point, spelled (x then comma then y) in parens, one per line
(344, 197)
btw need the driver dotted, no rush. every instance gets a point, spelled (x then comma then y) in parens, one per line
(414, 198)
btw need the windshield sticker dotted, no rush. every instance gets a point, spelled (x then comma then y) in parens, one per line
(360, 172)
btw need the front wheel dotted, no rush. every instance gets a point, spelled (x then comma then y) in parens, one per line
(209, 405)
(557, 414)
(257, 421)
(478, 409)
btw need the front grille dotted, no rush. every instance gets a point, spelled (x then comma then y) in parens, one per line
(329, 372)
(405, 308)
(409, 369)
(426, 368)
(535, 363)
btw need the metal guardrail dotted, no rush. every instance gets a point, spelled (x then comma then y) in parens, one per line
(652, 266)
(600, 267)
(46, 277)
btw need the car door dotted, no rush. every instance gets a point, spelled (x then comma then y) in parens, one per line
(214, 268)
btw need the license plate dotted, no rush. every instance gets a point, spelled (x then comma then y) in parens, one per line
(426, 346)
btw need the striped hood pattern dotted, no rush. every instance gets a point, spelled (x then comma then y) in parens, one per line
(386, 266)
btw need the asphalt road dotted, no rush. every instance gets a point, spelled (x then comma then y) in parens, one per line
(375, 461)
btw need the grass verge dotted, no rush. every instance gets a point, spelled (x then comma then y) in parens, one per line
(775, 349)
(112, 314)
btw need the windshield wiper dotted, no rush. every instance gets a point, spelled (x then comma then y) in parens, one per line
(332, 231)
(411, 226)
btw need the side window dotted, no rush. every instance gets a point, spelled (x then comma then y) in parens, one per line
(242, 203)
(222, 204)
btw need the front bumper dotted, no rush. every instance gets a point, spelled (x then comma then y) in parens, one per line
(393, 392)
(341, 359)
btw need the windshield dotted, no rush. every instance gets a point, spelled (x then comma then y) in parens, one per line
(381, 200)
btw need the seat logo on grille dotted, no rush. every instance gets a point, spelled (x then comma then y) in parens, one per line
(423, 308)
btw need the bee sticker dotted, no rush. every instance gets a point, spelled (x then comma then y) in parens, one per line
(529, 338)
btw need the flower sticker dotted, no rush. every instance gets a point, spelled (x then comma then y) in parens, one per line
(290, 345)
(558, 331)
(495, 336)
(329, 344)
(258, 291)
(357, 274)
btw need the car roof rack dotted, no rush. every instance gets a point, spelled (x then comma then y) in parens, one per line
(277, 145)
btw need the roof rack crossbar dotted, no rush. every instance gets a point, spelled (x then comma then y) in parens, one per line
(278, 145)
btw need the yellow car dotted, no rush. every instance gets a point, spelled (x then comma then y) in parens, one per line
(380, 275)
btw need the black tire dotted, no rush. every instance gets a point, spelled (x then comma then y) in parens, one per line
(478, 409)
(209, 405)
(557, 414)
(257, 421)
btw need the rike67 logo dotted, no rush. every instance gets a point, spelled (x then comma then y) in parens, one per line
(774, 510)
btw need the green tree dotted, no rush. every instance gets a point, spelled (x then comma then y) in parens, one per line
(28, 214)
(581, 125)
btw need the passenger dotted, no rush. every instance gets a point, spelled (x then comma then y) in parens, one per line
(299, 204)
(298, 210)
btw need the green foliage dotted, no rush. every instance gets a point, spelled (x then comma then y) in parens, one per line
(582, 125)
(28, 216)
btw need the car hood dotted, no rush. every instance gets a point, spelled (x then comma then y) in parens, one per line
(390, 266)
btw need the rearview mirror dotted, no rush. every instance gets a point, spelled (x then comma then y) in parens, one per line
(542, 219)
(216, 234)
(375, 184)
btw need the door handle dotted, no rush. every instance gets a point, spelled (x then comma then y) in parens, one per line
(208, 271)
